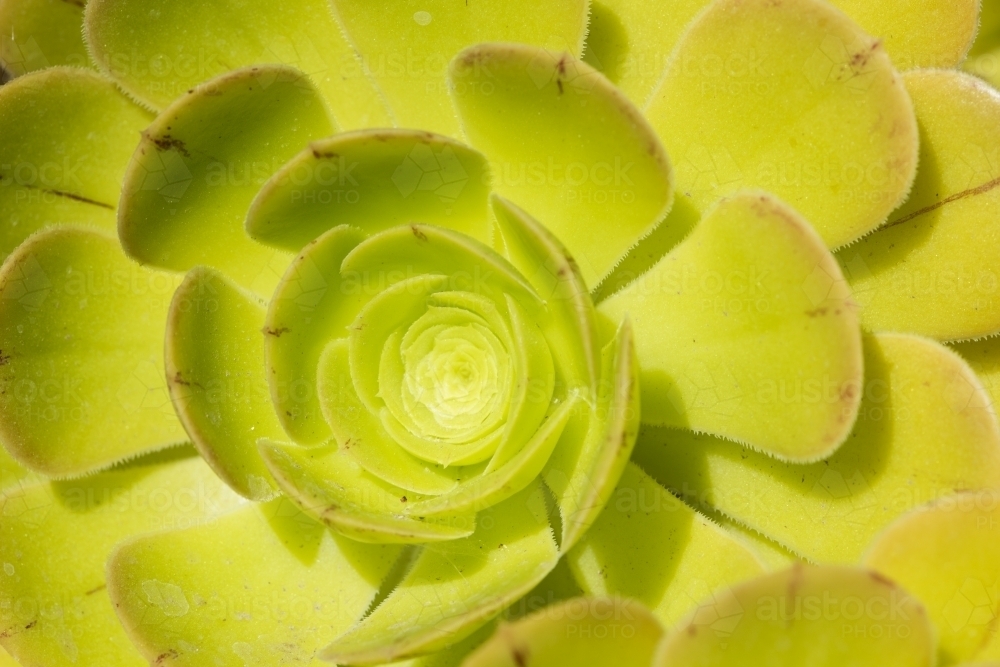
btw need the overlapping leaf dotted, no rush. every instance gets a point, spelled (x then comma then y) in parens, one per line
(931, 268)
(794, 98)
(407, 47)
(807, 616)
(159, 51)
(752, 276)
(35, 34)
(66, 136)
(81, 334)
(681, 560)
(195, 172)
(948, 556)
(56, 537)
(263, 585)
(926, 428)
(598, 631)
(566, 145)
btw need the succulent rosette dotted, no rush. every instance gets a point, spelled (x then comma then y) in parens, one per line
(334, 331)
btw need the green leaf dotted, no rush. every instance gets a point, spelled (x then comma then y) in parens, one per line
(58, 166)
(630, 41)
(919, 33)
(930, 270)
(650, 546)
(594, 450)
(373, 180)
(158, 50)
(753, 276)
(55, 538)
(455, 587)
(983, 357)
(311, 304)
(81, 335)
(263, 585)
(947, 555)
(329, 485)
(567, 146)
(35, 34)
(216, 376)
(806, 617)
(925, 429)
(597, 632)
(406, 47)
(794, 98)
(569, 321)
(197, 169)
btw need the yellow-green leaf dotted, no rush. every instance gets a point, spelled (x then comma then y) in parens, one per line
(264, 585)
(55, 538)
(932, 269)
(947, 555)
(925, 429)
(455, 587)
(35, 34)
(158, 50)
(598, 632)
(202, 161)
(799, 102)
(565, 145)
(66, 136)
(81, 335)
(215, 369)
(806, 617)
(749, 303)
(373, 180)
(406, 46)
(650, 546)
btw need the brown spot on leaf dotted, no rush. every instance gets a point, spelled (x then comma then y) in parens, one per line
(520, 656)
(167, 655)
(418, 233)
(275, 332)
(971, 192)
(817, 312)
(166, 143)
(96, 589)
(882, 579)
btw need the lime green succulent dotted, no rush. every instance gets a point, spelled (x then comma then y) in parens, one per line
(431, 333)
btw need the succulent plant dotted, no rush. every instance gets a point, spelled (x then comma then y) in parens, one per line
(496, 334)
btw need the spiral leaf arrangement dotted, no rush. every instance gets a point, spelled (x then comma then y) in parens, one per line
(336, 331)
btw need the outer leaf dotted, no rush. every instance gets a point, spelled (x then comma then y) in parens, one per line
(373, 180)
(931, 269)
(215, 373)
(159, 50)
(583, 631)
(807, 617)
(983, 356)
(195, 172)
(81, 334)
(56, 166)
(984, 57)
(264, 585)
(567, 145)
(35, 34)
(55, 537)
(753, 275)
(919, 33)
(948, 555)
(799, 102)
(407, 46)
(925, 429)
(630, 41)
(330, 485)
(454, 587)
(650, 546)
